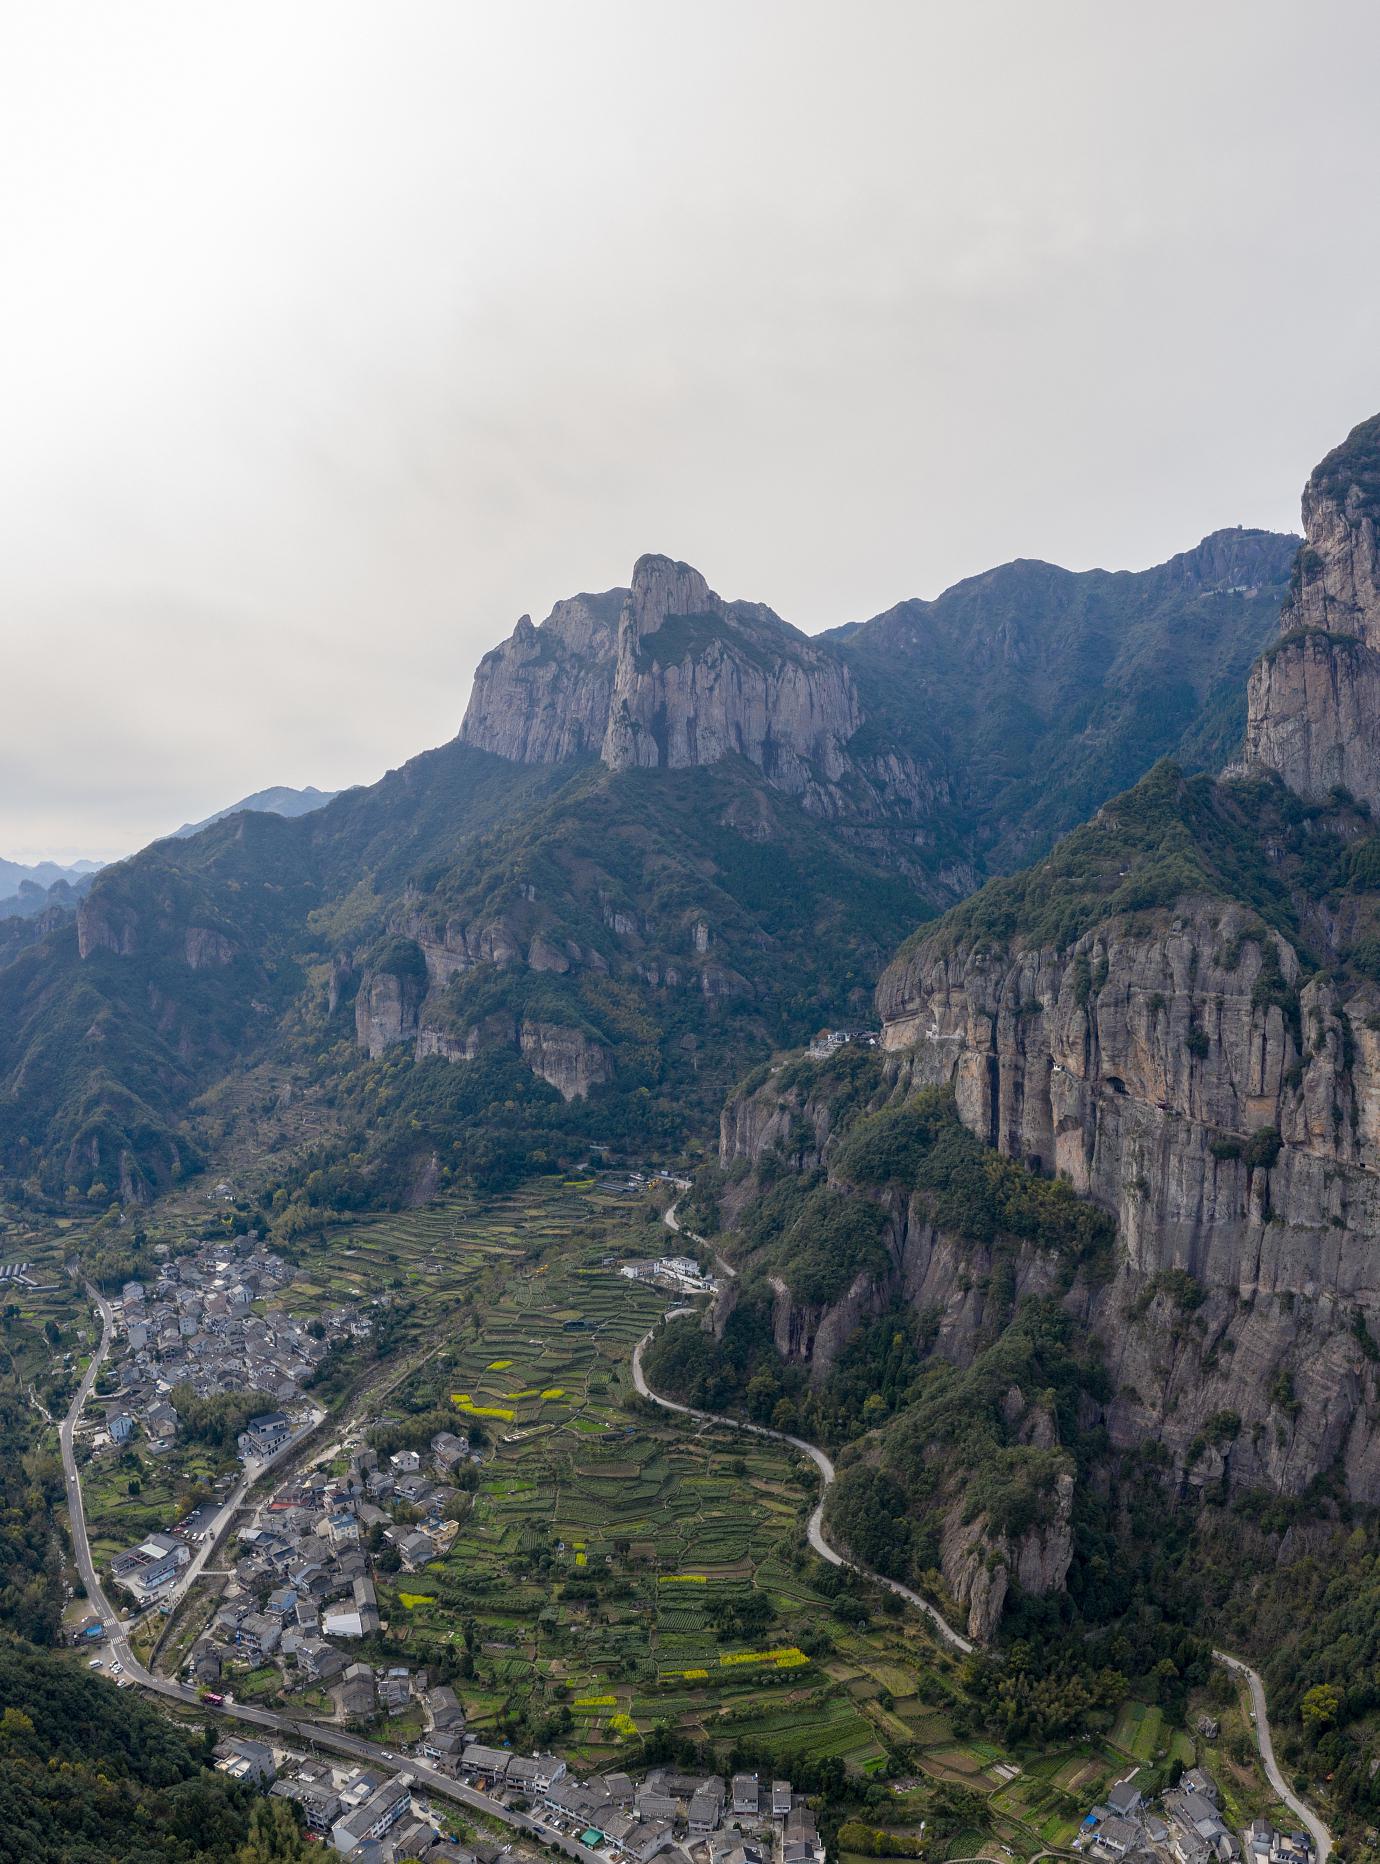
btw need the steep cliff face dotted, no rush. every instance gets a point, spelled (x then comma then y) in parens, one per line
(667, 675)
(543, 695)
(699, 679)
(385, 1011)
(570, 1059)
(1313, 703)
(980, 1563)
(988, 1480)
(1178, 1013)
(1178, 1075)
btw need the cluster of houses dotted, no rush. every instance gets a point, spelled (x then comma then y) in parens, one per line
(743, 1821)
(365, 1814)
(681, 1273)
(198, 1325)
(828, 1041)
(373, 1818)
(1186, 1826)
(303, 1583)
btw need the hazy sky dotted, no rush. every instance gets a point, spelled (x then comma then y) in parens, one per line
(335, 336)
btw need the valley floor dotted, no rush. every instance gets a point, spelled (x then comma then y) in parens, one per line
(620, 1570)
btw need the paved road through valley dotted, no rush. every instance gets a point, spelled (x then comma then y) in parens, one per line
(354, 1747)
(1312, 1824)
(1322, 1838)
(298, 1733)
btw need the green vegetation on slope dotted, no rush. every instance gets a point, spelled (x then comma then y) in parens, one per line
(1172, 836)
(89, 1775)
(670, 921)
(1044, 692)
(1355, 463)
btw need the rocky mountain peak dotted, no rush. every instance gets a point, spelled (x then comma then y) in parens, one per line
(662, 587)
(699, 679)
(1339, 567)
(664, 675)
(1237, 560)
(1313, 702)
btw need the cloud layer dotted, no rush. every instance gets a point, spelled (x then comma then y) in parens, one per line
(338, 335)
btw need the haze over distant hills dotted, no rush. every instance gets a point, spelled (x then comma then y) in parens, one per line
(13, 874)
(279, 800)
(25, 891)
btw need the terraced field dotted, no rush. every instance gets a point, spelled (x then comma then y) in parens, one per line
(620, 1568)
(616, 1569)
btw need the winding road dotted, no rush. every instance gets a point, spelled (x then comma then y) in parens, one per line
(1312, 1824)
(354, 1747)
(822, 1462)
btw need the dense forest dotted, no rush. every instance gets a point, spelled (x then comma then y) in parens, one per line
(92, 1776)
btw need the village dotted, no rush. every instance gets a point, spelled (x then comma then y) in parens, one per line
(1184, 1825)
(301, 1588)
(374, 1818)
(210, 1327)
(203, 1325)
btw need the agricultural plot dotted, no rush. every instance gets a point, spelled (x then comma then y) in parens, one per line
(1139, 1730)
(618, 1567)
(47, 1329)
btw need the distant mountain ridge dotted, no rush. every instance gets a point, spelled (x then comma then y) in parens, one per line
(14, 874)
(280, 800)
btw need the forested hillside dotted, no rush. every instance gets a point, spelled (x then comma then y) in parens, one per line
(674, 832)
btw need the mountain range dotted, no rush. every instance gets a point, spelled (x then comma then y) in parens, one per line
(14, 874)
(671, 832)
(28, 891)
(1118, 1166)
(1073, 1259)
(280, 800)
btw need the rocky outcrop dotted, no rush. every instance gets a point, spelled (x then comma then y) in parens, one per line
(386, 1010)
(979, 1565)
(543, 696)
(1313, 702)
(818, 1334)
(1313, 706)
(208, 950)
(107, 923)
(570, 1060)
(667, 675)
(699, 679)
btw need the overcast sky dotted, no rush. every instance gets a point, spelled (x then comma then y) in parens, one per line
(335, 336)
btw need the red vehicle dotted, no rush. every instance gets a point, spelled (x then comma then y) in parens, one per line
(211, 1696)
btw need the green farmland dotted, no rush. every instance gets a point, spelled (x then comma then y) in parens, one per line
(615, 1569)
